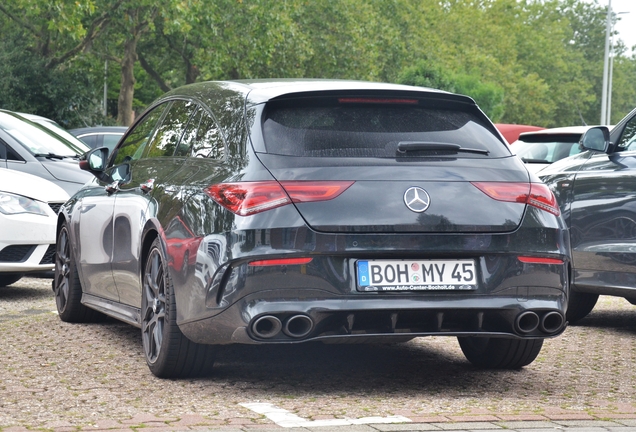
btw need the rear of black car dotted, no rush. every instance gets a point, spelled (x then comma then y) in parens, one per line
(387, 214)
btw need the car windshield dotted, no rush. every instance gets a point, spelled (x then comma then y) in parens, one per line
(36, 139)
(546, 152)
(366, 127)
(57, 129)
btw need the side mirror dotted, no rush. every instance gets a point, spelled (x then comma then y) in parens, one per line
(596, 138)
(95, 160)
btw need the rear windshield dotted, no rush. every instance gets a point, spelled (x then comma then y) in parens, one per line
(365, 127)
(543, 148)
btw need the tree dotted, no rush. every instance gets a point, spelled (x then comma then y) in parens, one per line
(488, 96)
(40, 41)
(524, 61)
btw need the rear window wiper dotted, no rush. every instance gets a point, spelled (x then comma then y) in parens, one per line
(54, 156)
(410, 146)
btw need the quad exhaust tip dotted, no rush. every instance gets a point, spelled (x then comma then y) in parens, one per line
(267, 326)
(549, 323)
(298, 326)
(527, 322)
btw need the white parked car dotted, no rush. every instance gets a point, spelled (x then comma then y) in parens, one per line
(539, 149)
(28, 215)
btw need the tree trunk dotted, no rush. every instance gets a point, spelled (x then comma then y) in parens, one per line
(192, 72)
(125, 114)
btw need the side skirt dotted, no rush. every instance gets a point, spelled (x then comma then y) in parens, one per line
(121, 312)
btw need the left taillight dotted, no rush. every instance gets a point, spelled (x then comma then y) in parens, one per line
(247, 198)
(534, 194)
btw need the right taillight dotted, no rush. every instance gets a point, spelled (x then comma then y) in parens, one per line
(542, 197)
(534, 194)
(247, 198)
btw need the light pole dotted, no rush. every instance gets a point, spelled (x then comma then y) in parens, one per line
(608, 66)
(105, 107)
(608, 30)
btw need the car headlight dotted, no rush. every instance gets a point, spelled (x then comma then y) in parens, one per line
(11, 204)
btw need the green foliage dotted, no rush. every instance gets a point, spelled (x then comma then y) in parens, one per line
(524, 61)
(64, 95)
(427, 74)
(488, 96)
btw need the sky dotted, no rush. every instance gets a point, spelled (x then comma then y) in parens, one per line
(626, 27)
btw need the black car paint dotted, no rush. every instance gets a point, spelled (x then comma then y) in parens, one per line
(218, 305)
(596, 191)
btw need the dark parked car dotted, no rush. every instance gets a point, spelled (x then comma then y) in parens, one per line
(100, 136)
(32, 148)
(596, 190)
(321, 211)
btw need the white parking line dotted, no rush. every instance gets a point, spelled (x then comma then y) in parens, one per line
(286, 419)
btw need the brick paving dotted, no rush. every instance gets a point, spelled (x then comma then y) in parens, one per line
(60, 377)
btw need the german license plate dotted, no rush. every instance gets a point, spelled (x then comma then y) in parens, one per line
(416, 275)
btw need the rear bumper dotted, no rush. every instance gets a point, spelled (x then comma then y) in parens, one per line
(224, 297)
(273, 317)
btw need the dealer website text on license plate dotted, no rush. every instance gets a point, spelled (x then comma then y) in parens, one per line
(416, 275)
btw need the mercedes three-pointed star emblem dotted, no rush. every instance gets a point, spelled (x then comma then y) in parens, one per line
(417, 199)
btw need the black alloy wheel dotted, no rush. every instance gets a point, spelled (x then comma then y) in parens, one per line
(500, 353)
(66, 283)
(168, 352)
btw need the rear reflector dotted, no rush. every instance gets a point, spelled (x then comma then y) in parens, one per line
(280, 261)
(539, 260)
(534, 194)
(378, 100)
(249, 198)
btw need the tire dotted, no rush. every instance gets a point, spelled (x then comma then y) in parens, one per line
(580, 304)
(9, 278)
(499, 353)
(66, 284)
(168, 352)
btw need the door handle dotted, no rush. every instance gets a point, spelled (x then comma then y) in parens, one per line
(147, 186)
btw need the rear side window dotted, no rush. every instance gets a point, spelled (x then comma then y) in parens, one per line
(372, 127)
(90, 140)
(165, 141)
(8, 153)
(110, 141)
(203, 138)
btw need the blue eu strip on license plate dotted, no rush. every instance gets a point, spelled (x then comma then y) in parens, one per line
(363, 273)
(416, 275)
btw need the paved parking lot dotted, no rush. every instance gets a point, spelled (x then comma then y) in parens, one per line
(67, 377)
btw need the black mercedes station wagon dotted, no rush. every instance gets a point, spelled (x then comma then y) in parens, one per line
(288, 211)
